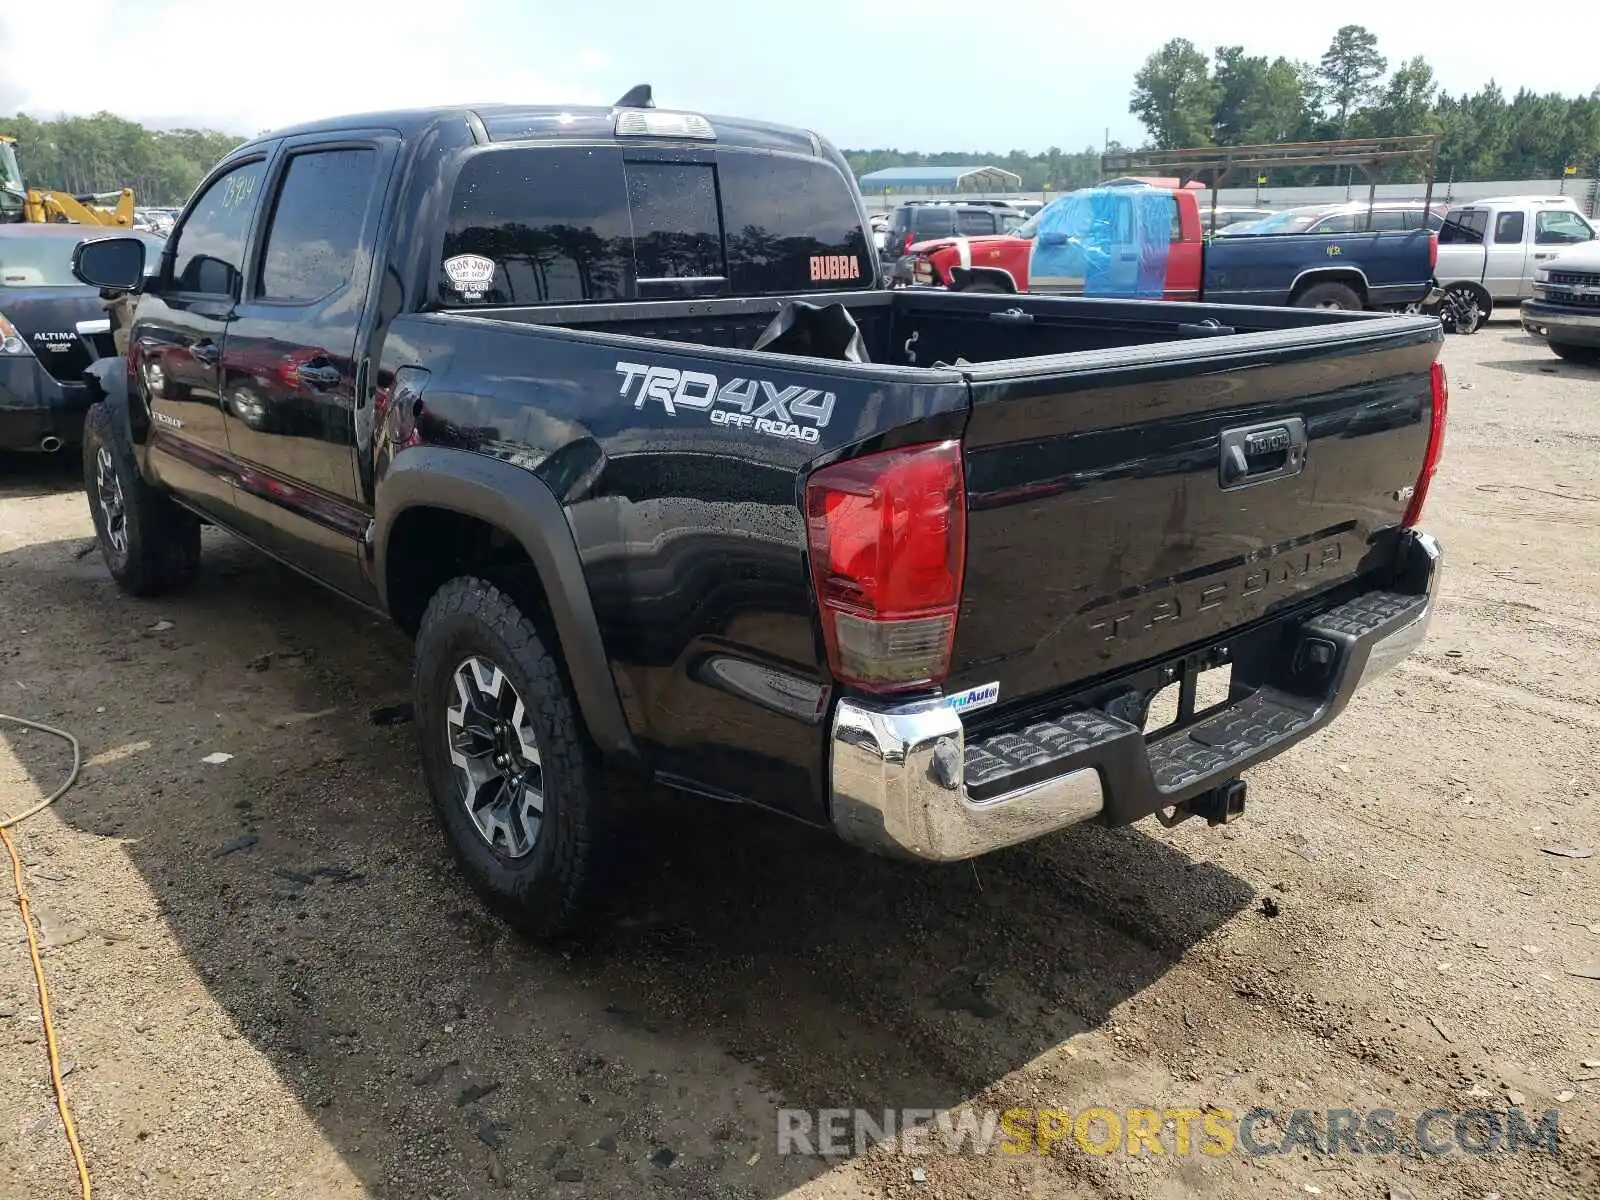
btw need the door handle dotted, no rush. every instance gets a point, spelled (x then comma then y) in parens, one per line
(205, 352)
(325, 376)
(1256, 453)
(1544, 254)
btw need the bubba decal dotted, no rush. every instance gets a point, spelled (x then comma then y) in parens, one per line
(835, 266)
(469, 274)
(799, 413)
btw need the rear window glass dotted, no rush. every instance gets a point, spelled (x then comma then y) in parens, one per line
(676, 231)
(792, 226)
(569, 225)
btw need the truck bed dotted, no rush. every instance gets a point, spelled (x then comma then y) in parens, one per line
(1100, 535)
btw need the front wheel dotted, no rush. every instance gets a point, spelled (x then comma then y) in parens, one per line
(1588, 356)
(514, 781)
(150, 544)
(988, 286)
(1329, 295)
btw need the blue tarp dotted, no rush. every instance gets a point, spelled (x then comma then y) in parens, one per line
(1105, 241)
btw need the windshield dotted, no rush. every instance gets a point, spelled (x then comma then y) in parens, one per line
(47, 261)
(1028, 228)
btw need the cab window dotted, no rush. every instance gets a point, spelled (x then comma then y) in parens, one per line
(1558, 227)
(314, 241)
(208, 254)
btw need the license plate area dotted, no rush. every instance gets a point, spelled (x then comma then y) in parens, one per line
(1199, 685)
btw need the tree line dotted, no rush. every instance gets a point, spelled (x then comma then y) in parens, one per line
(104, 153)
(1185, 98)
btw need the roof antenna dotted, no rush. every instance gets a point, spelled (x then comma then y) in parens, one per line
(637, 96)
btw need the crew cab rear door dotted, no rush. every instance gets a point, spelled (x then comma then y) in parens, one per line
(292, 373)
(1127, 503)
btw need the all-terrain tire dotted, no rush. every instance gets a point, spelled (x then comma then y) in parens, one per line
(546, 891)
(150, 543)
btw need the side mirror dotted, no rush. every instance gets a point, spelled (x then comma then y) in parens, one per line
(115, 263)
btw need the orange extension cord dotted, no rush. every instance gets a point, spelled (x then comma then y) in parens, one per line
(85, 1186)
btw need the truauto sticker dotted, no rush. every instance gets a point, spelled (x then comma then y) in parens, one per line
(978, 697)
(469, 274)
(759, 404)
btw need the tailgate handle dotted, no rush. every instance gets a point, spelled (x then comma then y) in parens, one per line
(1254, 454)
(1014, 316)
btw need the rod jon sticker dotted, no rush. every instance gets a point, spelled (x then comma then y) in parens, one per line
(469, 274)
(978, 697)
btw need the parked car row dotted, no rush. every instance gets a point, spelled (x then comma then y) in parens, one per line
(1479, 254)
(1150, 242)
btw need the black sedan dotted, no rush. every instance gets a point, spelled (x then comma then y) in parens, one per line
(51, 328)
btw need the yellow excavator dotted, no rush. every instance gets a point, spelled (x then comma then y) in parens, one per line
(41, 205)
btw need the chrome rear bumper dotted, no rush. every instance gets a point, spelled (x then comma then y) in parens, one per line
(898, 772)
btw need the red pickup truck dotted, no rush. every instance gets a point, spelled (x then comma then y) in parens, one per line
(1148, 242)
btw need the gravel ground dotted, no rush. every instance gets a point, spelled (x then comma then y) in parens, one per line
(269, 981)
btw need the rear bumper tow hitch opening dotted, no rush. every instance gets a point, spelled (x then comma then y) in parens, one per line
(1220, 805)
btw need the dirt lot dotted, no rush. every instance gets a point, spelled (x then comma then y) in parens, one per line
(269, 982)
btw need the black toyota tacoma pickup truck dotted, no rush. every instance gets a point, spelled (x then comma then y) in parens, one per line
(609, 409)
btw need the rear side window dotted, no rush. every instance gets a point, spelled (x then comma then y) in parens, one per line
(970, 222)
(1340, 223)
(933, 222)
(314, 241)
(1464, 227)
(210, 252)
(1508, 228)
(538, 227)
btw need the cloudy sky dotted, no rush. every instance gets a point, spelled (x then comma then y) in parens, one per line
(912, 74)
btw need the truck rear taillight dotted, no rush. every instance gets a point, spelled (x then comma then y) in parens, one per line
(888, 539)
(905, 247)
(1433, 251)
(1440, 386)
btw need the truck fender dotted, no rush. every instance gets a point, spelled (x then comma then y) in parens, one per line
(1350, 275)
(518, 502)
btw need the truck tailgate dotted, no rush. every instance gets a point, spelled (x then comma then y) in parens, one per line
(1125, 504)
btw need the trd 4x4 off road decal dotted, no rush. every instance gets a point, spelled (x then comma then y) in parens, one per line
(758, 404)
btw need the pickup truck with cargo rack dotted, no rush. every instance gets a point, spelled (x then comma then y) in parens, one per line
(1150, 243)
(608, 408)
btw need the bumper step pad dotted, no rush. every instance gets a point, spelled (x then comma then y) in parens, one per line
(1229, 736)
(1366, 615)
(1005, 762)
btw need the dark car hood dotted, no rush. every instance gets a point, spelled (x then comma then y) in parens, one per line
(48, 320)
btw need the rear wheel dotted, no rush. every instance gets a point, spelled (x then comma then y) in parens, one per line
(1588, 356)
(1329, 295)
(514, 781)
(150, 544)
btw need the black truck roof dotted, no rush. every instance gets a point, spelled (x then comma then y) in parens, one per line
(553, 122)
